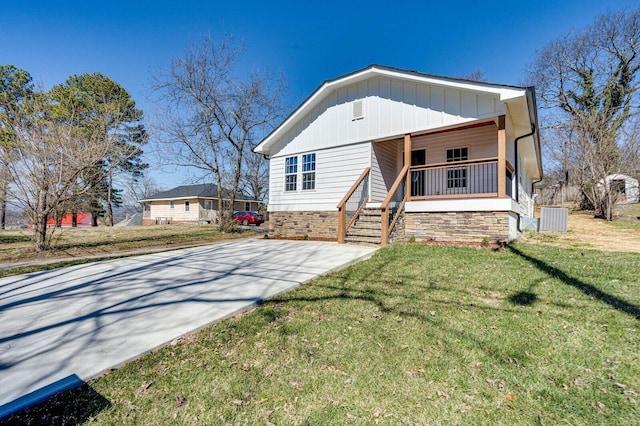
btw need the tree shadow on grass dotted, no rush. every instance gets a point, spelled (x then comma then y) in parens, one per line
(74, 406)
(523, 298)
(588, 289)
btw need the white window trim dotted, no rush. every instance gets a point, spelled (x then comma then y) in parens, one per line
(309, 172)
(286, 184)
(464, 169)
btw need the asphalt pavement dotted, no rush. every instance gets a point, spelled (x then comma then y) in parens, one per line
(62, 327)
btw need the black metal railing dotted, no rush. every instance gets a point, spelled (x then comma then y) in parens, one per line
(452, 179)
(352, 204)
(393, 204)
(356, 201)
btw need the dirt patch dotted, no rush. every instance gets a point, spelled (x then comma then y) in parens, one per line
(584, 231)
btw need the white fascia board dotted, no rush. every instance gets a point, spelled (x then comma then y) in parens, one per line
(505, 93)
(468, 205)
(310, 103)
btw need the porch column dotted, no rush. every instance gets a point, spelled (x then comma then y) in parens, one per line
(407, 160)
(502, 158)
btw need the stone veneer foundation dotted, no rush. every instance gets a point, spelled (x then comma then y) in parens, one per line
(316, 225)
(459, 227)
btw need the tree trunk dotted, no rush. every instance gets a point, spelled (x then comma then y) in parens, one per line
(4, 183)
(109, 204)
(3, 211)
(74, 219)
(40, 232)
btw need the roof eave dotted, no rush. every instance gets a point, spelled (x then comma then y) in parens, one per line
(505, 92)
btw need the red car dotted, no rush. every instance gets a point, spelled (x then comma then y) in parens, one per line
(248, 218)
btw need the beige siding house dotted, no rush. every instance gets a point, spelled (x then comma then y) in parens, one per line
(384, 154)
(190, 203)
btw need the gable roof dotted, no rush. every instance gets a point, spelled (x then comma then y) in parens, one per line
(203, 190)
(504, 92)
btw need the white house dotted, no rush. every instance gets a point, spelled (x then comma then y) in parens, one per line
(384, 154)
(190, 203)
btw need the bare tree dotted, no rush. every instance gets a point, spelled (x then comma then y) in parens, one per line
(214, 114)
(255, 177)
(53, 160)
(588, 81)
(136, 189)
(15, 84)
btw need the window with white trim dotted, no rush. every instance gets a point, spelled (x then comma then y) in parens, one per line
(186, 206)
(309, 171)
(171, 204)
(457, 177)
(291, 173)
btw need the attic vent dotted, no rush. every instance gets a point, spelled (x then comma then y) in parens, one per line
(358, 110)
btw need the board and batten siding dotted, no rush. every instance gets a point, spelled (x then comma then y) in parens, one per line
(336, 171)
(390, 108)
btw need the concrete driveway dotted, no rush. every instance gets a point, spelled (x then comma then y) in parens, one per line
(61, 327)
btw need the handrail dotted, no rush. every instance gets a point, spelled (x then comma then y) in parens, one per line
(353, 188)
(394, 187)
(342, 211)
(510, 167)
(357, 213)
(384, 207)
(395, 218)
(455, 164)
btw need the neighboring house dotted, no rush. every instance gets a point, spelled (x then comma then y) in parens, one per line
(387, 154)
(190, 203)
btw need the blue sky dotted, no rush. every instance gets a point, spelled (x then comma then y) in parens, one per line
(308, 42)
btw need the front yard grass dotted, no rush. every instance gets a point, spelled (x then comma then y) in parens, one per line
(418, 334)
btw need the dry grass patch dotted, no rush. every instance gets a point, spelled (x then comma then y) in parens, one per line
(585, 231)
(16, 245)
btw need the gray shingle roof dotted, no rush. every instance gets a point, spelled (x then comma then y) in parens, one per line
(203, 190)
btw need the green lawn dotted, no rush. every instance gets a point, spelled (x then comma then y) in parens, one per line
(628, 217)
(416, 335)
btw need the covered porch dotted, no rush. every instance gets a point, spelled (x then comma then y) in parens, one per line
(465, 162)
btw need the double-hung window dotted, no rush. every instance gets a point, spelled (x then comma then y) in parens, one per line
(309, 171)
(457, 177)
(291, 173)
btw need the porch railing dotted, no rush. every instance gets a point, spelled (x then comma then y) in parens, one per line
(459, 179)
(352, 204)
(209, 215)
(393, 205)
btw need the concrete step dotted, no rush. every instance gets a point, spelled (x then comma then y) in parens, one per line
(366, 225)
(363, 233)
(369, 218)
(363, 240)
